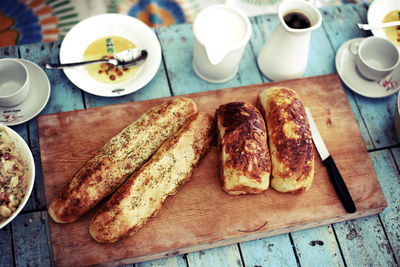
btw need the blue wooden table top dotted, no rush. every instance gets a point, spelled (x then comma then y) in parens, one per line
(368, 241)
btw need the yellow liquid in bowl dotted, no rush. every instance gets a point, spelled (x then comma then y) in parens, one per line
(108, 47)
(392, 33)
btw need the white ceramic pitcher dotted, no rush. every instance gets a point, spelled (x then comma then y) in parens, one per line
(285, 53)
(220, 37)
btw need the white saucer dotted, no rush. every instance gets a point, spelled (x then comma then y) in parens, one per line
(36, 100)
(346, 68)
(87, 31)
(378, 10)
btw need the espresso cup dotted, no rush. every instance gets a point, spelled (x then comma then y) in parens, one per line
(14, 82)
(376, 57)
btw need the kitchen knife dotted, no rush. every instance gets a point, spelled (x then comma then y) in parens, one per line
(329, 163)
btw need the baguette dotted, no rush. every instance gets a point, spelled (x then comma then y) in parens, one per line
(245, 165)
(142, 195)
(290, 140)
(119, 158)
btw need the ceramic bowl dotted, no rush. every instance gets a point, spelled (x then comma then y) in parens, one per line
(26, 154)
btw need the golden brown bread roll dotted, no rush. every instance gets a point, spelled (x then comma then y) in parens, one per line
(290, 140)
(142, 195)
(118, 158)
(245, 165)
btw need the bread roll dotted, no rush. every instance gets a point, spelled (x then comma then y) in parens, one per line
(142, 195)
(245, 165)
(118, 158)
(290, 140)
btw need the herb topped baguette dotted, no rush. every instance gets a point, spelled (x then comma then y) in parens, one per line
(142, 195)
(119, 158)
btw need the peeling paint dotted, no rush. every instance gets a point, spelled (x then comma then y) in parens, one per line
(352, 234)
(316, 242)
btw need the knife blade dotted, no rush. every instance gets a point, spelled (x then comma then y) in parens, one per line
(334, 174)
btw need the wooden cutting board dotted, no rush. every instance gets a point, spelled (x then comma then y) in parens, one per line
(201, 215)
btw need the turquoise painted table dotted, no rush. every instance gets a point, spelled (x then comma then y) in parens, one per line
(369, 241)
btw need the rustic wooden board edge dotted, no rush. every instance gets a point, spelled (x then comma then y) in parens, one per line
(249, 237)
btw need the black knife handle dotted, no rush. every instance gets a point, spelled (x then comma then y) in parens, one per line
(339, 185)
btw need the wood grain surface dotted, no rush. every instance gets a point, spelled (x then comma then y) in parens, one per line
(201, 215)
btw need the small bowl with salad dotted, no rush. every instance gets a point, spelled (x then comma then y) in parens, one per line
(17, 174)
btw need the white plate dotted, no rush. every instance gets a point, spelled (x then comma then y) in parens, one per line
(36, 100)
(378, 10)
(96, 27)
(346, 68)
(26, 154)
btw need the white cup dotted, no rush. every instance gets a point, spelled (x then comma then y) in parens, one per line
(376, 57)
(220, 34)
(14, 82)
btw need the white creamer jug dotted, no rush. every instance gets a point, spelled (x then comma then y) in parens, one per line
(285, 53)
(220, 37)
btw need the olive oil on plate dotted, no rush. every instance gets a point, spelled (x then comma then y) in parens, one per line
(107, 47)
(392, 33)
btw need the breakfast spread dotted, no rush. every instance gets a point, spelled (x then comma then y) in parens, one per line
(245, 165)
(119, 158)
(13, 176)
(290, 139)
(140, 198)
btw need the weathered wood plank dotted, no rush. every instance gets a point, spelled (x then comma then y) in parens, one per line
(390, 181)
(272, 251)
(229, 256)
(6, 255)
(339, 26)
(340, 23)
(178, 261)
(363, 242)
(9, 51)
(317, 247)
(378, 115)
(30, 239)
